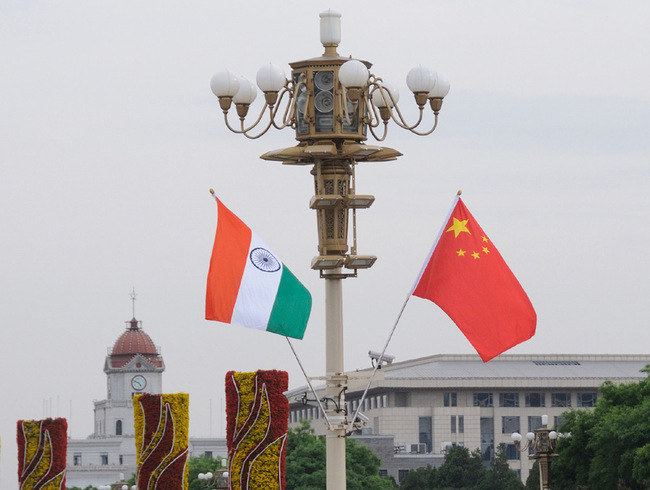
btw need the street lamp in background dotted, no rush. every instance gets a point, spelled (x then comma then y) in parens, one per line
(333, 103)
(543, 441)
(217, 480)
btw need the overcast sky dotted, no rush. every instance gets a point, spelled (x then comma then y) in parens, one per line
(110, 140)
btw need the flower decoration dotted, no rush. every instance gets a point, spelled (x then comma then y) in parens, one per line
(42, 447)
(161, 440)
(257, 415)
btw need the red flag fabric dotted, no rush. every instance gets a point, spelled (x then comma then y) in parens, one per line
(466, 276)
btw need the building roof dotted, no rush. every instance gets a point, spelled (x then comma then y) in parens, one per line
(134, 341)
(521, 366)
(507, 370)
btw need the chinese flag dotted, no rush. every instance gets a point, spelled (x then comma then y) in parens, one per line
(466, 276)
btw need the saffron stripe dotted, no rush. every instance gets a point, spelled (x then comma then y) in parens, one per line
(226, 265)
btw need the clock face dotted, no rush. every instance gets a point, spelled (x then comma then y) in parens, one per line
(138, 382)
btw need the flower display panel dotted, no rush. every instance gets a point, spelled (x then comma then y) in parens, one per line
(161, 440)
(257, 415)
(42, 447)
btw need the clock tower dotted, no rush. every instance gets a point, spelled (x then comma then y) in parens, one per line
(134, 366)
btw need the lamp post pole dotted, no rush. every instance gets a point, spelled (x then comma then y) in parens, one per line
(543, 441)
(336, 382)
(332, 103)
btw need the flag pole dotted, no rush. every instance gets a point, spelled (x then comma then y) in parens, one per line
(378, 365)
(399, 316)
(313, 391)
(435, 242)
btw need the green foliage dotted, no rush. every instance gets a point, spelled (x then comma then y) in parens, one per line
(201, 464)
(532, 482)
(419, 478)
(501, 477)
(306, 463)
(465, 470)
(609, 447)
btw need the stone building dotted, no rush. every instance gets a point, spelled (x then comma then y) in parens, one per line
(424, 406)
(133, 366)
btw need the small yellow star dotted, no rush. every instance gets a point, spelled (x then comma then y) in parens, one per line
(461, 252)
(486, 250)
(459, 227)
(476, 255)
(484, 238)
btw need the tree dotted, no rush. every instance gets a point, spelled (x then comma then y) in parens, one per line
(465, 470)
(201, 464)
(501, 477)
(532, 482)
(461, 469)
(305, 464)
(609, 447)
(419, 478)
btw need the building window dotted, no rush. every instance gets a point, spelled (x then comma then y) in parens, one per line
(487, 438)
(534, 423)
(535, 400)
(509, 424)
(508, 399)
(383, 473)
(103, 458)
(587, 399)
(401, 399)
(401, 474)
(118, 428)
(207, 454)
(560, 399)
(512, 453)
(76, 459)
(457, 424)
(121, 459)
(425, 431)
(450, 399)
(483, 400)
(558, 420)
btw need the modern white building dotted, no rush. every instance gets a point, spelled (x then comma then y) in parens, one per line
(133, 366)
(426, 405)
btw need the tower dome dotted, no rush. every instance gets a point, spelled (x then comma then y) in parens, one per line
(132, 342)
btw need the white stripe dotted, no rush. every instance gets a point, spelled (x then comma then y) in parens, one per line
(257, 291)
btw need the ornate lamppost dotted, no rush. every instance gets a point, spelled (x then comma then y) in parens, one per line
(543, 441)
(333, 103)
(216, 480)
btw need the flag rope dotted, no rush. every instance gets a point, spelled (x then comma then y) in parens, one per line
(309, 383)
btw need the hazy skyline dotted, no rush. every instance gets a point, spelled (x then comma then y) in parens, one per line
(111, 140)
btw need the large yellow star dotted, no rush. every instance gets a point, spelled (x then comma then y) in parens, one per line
(459, 227)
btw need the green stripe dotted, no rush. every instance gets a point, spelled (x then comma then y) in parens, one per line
(291, 308)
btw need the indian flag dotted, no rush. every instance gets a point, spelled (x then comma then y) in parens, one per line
(249, 286)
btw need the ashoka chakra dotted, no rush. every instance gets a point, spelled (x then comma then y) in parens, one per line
(264, 260)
